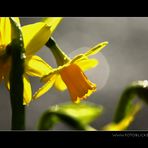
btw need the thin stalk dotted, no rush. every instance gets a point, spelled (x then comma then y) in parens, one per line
(16, 51)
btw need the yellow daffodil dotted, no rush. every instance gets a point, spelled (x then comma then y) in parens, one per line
(34, 36)
(70, 73)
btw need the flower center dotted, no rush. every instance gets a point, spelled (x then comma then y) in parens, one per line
(77, 83)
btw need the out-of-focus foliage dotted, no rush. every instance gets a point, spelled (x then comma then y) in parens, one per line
(126, 110)
(76, 115)
(81, 115)
(136, 89)
(126, 121)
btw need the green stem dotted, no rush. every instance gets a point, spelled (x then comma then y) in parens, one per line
(140, 89)
(16, 91)
(60, 56)
(16, 50)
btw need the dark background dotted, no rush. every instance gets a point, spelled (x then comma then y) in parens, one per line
(121, 62)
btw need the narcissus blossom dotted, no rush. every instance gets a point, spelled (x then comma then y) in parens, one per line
(35, 36)
(70, 73)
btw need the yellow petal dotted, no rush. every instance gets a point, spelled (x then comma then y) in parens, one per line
(96, 49)
(59, 84)
(49, 75)
(5, 31)
(36, 66)
(53, 22)
(45, 87)
(35, 36)
(6, 81)
(7, 84)
(86, 64)
(27, 91)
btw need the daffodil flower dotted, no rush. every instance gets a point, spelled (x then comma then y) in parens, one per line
(70, 73)
(34, 36)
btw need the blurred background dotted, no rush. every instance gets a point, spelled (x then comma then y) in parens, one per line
(121, 62)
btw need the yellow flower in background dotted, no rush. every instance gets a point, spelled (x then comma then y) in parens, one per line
(5, 39)
(35, 36)
(70, 74)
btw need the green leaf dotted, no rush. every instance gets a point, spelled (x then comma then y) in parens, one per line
(75, 115)
(84, 112)
(136, 89)
(126, 121)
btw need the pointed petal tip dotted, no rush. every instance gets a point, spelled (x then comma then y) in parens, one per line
(26, 103)
(35, 96)
(77, 101)
(105, 43)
